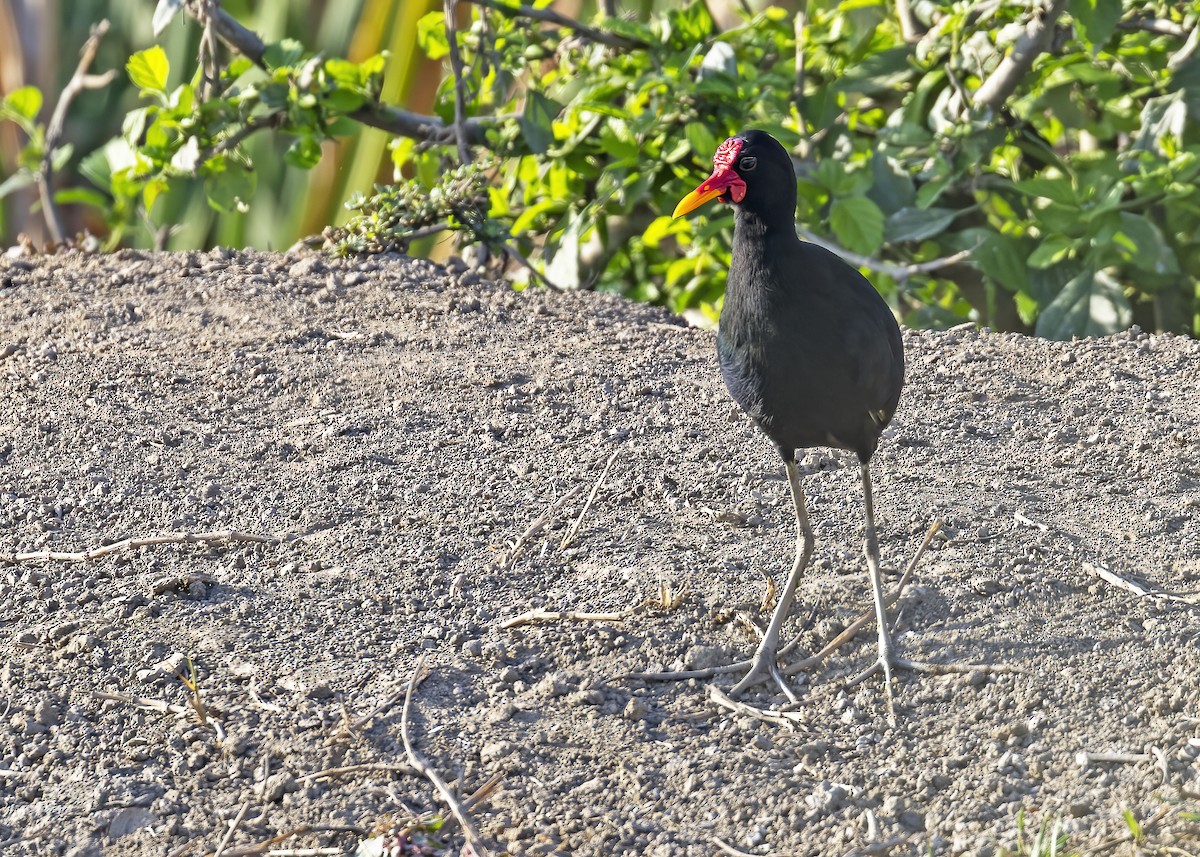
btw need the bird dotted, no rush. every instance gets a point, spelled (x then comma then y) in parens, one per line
(808, 349)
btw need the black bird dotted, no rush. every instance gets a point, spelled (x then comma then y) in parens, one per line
(807, 347)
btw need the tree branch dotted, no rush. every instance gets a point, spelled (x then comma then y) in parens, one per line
(54, 130)
(549, 16)
(896, 272)
(449, 13)
(1003, 82)
(391, 119)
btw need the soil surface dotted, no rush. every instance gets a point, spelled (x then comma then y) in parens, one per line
(406, 435)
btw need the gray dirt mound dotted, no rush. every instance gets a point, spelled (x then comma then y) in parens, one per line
(398, 428)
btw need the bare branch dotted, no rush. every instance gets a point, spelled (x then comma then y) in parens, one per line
(910, 30)
(403, 123)
(1158, 26)
(549, 16)
(896, 272)
(1003, 82)
(79, 80)
(1189, 48)
(450, 12)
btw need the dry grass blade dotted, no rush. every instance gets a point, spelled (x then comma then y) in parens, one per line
(867, 617)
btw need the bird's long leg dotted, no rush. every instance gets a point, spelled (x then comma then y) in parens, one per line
(764, 666)
(871, 549)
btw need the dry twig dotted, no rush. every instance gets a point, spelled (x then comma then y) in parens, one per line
(534, 528)
(1138, 589)
(233, 825)
(80, 80)
(595, 490)
(539, 615)
(470, 833)
(368, 767)
(896, 272)
(264, 847)
(1002, 82)
(549, 16)
(779, 718)
(134, 542)
(450, 14)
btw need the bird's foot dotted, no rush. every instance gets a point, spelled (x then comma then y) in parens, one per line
(764, 668)
(885, 663)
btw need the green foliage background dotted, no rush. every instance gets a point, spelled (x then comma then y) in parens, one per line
(1068, 206)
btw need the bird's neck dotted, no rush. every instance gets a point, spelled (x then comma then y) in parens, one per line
(756, 227)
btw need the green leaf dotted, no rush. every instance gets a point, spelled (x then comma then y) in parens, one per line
(858, 224)
(1054, 189)
(431, 35)
(1142, 244)
(148, 70)
(1002, 258)
(702, 140)
(892, 188)
(1096, 19)
(537, 121)
(839, 181)
(163, 13)
(15, 182)
(1092, 304)
(24, 103)
(285, 52)
(82, 196)
(228, 186)
(1053, 249)
(1162, 116)
(917, 224)
(304, 152)
(882, 71)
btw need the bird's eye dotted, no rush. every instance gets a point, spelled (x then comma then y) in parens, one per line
(748, 163)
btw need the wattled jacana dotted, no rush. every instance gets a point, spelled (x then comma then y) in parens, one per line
(807, 348)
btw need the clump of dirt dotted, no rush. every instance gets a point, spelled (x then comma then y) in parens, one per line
(393, 430)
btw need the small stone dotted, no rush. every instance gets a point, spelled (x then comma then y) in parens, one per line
(1079, 808)
(45, 713)
(705, 657)
(129, 819)
(635, 709)
(495, 750)
(277, 785)
(320, 690)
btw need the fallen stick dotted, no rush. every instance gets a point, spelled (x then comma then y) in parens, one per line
(540, 615)
(264, 847)
(367, 767)
(587, 505)
(534, 528)
(1138, 589)
(233, 825)
(141, 542)
(780, 718)
(470, 833)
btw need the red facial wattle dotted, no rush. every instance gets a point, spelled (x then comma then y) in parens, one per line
(724, 183)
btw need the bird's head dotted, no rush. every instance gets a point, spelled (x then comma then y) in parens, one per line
(752, 169)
